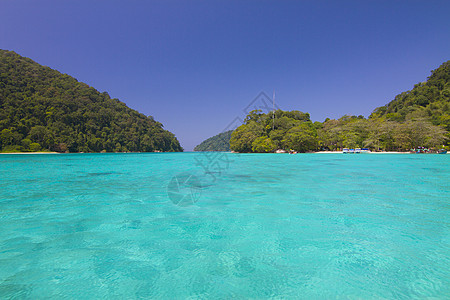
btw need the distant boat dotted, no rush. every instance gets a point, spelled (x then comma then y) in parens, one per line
(365, 150)
(357, 150)
(423, 150)
(281, 151)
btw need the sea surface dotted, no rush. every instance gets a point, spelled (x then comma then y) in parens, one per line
(222, 225)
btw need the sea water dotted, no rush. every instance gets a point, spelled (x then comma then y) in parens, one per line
(223, 225)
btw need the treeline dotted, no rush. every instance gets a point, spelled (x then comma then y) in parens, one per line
(262, 133)
(294, 130)
(219, 142)
(44, 110)
(417, 118)
(381, 134)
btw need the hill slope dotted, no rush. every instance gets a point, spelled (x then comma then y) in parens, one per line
(416, 118)
(42, 109)
(219, 142)
(430, 99)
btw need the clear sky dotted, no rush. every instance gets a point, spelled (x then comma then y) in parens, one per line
(195, 65)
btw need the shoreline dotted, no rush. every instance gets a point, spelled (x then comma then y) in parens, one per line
(20, 153)
(381, 152)
(318, 152)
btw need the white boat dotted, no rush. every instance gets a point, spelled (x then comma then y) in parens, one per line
(345, 150)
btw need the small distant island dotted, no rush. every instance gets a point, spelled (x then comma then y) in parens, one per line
(416, 118)
(44, 110)
(219, 142)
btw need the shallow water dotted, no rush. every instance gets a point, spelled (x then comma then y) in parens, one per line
(312, 226)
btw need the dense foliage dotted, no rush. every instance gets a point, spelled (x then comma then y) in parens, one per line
(429, 100)
(263, 133)
(42, 109)
(381, 134)
(219, 142)
(417, 118)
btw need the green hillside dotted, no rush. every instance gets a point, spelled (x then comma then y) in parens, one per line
(219, 142)
(428, 99)
(44, 110)
(416, 118)
(289, 130)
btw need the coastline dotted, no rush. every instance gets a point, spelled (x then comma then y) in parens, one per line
(381, 152)
(390, 152)
(20, 153)
(318, 152)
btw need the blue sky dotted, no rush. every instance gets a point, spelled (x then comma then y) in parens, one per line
(195, 65)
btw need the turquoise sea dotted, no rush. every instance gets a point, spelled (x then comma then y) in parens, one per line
(156, 226)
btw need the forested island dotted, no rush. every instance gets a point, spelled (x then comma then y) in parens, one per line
(44, 110)
(416, 118)
(219, 142)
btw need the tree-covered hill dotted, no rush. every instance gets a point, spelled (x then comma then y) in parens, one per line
(428, 99)
(219, 142)
(42, 109)
(417, 118)
(262, 133)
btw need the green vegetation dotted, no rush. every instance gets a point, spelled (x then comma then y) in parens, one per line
(220, 142)
(420, 117)
(289, 130)
(428, 100)
(44, 110)
(381, 134)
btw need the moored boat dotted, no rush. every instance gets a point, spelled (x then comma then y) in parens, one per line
(423, 150)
